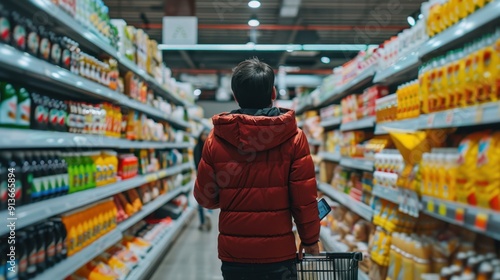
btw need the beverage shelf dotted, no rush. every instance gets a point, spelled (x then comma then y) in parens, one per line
(92, 40)
(368, 122)
(404, 69)
(389, 194)
(335, 157)
(38, 211)
(357, 163)
(69, 265)
(356, 206)
(331, 122)
(70, 84)
(153, 205)
(476, 219)
(31, 139)
(463, 31)
(148, 264)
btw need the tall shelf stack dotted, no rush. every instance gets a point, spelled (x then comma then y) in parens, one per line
(99, 144)
(411, 174)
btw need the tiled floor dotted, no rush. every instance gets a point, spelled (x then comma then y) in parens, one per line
(193, 256)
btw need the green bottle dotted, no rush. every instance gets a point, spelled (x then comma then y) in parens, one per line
(91, 171)
(80, 172)
(71, 173)
(23, 108)
(8, 105)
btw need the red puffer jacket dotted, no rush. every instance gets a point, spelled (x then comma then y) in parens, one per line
(259, 172)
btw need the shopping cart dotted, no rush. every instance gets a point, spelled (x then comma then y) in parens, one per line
(329, 266)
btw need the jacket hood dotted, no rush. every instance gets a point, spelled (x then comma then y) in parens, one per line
(255, 133)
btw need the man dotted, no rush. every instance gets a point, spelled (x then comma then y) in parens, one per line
(256, 167)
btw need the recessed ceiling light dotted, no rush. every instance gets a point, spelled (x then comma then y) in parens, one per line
(325, 60)
(253, 22)
(254, 4)
(197, 92)
(411, 21)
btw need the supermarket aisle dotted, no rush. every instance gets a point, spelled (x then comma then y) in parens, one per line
(193, 256)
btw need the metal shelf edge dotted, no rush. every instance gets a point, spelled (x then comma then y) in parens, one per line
(359, 124)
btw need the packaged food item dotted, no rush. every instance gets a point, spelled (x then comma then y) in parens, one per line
(487, 181)
(8, 105)
(33, 39)
(466, 172)
(18, 25)
(5, 25)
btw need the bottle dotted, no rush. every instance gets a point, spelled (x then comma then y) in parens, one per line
(63, 115)
(63, 174)
(3, 245)
(45, 44)
(440, 175)
(8, 105)
(60, 235)
(23, 111)
(18, 25)
(51, 175)
(50, 244)
(55, 52)
(14, 168)
(46, 167)
(32, 250)
(33, 39)
(41, 252)
(22, 255)
(4, 30)
(26, 176)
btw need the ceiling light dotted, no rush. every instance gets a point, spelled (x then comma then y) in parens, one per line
(265, 47)
(325, 60)
(254, 4)
(411, 21)
(197, 92)
(253, 22)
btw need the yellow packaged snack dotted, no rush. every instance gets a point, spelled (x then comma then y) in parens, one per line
(488, 175)
(468, 150)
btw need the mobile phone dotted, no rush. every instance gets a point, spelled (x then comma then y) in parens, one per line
(323, 208)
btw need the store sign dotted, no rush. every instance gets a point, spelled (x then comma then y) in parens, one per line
(180, 30)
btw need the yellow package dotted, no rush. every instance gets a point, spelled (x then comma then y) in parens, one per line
(488, 176)
(490, 75)
(468, 150)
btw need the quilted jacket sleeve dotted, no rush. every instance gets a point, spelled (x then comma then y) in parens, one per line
(303, 192)
(206, 190)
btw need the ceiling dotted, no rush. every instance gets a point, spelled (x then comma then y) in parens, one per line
(225, 22)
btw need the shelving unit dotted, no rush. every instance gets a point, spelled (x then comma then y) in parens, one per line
(486, 113)
(331, 245)
(368, 122)
(335, 157)
(389, 194)
(462, 31)
(314, 142)
(93, 41)
(331, 122)
(357, 163)
(67, 83)
(356, 206)
(404, 69)
(148, 264)
(35, 212)
(153, 205)
(476, 219)
(69, 265)
(25, 138)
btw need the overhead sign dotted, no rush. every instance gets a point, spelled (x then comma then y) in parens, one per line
(180, 30)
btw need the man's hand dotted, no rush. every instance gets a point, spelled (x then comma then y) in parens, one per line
(312, 250)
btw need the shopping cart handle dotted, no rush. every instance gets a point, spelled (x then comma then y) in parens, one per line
(357, 256)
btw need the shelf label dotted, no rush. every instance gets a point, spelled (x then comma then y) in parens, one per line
(481, 221)
(442, 209)
(430, 206)
(460, 215)
(449, 117)
(430, 120)
(479, 114)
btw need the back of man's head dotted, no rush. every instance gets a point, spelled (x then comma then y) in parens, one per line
(253, 83)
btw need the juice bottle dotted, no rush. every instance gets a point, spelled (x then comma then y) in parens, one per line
(424, 171)
(448, 83)
(449, 188)
(496, 73)
(454, 81)
(112, 163)
(8, 105)
(71, 235)
(489, 61)
(439, 85)
(462, 79)
(470, 83)
(466, 171)
(432, 98)
(81, 172)
(439, 189)
(100, 178)
(487, 179)
(432, 174)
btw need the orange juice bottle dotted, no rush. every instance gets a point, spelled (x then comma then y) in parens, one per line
(461, 9)
(469, 89)
(454, 10)
(432, 87)
(423, 78)
(439, 82)
(71, 238)
(113, 212)
(468, 7)
(489, 63)
(439, 190)
(79, 232)
(496, 71)
(461, 79)
(449, 188)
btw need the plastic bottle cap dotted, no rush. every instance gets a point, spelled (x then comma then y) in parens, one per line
(485, 267)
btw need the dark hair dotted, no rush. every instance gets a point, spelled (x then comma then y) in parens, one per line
(252, 84)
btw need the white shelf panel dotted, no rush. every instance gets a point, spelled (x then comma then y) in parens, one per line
(153, 205)
(358, 82)
(71, 264)
(23, 63)
(389, 194)
(368, 122)
(406, 125)
(27, 138)
(356, 206)
(314, 142)
(357, 163)
(470, 116)
(335, 157)
(143, 270)
(35, 212)
(405, 67)
(331, 122)
(455, 35)
(463, 215)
